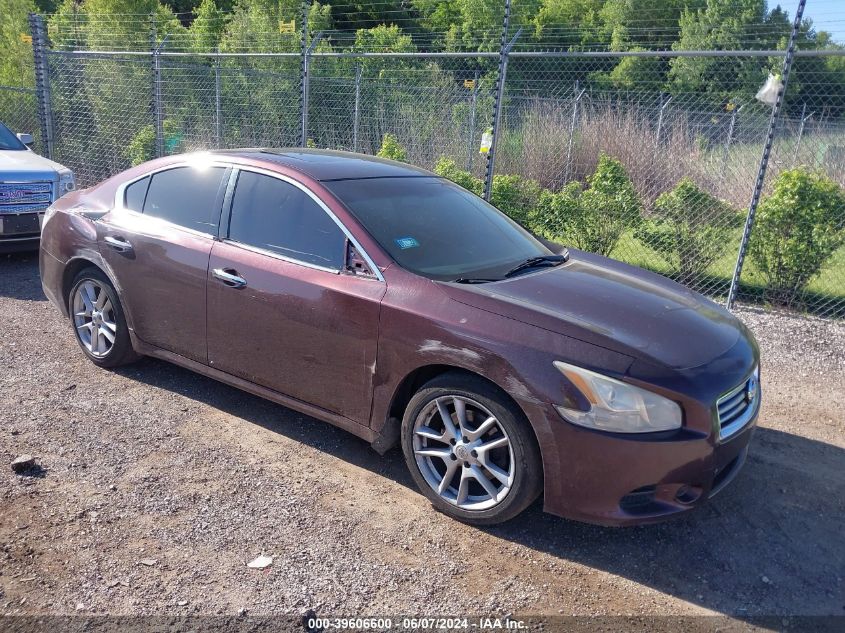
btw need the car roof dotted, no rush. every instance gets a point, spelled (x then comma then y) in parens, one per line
(328, 165)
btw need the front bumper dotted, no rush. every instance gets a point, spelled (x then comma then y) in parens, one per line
(616, 480)
(20, 231)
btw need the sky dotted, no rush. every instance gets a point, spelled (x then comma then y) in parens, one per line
(827, 15)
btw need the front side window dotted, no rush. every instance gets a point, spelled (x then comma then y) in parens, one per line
(186, 196)
(436, 229)
(277, 216)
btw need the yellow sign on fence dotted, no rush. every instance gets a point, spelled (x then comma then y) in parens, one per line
(469, 84)
(26, 38)
(287, 27)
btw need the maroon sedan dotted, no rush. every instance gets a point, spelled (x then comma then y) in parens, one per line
(394, 304)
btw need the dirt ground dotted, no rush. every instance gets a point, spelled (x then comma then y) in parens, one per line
(158, 485)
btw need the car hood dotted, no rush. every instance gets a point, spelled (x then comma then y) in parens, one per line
(26, 165)
(616, 306)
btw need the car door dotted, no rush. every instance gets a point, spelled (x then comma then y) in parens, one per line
(157, 245)
(282, 310)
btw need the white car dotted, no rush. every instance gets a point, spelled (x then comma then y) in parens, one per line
(29, 183)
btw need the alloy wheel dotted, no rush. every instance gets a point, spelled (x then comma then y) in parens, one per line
(94, 318)
(463, 452)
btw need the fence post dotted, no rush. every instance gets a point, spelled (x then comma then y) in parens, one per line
(663, 105)
(764, 160)
(804, 119)
(572, 123)
(504, 50)
(473, 116)
(158, 116)
(218, 110)
(729, 140)
(42, 81)
(303, 75)
(357, 114)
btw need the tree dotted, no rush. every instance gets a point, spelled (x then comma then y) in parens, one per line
(568, 23)
(16, 58)
(725, 25)
(208, 27)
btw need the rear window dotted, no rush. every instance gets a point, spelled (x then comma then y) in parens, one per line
(135, 194)
(437, 229)
(187, 196)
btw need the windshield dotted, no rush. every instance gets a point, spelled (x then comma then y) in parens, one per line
(9, 140)
(436, 229)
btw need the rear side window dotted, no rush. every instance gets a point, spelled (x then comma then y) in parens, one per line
(186, 196)
(135, 194)
(274, 215)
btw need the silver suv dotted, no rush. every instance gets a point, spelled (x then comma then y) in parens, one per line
(29, 183)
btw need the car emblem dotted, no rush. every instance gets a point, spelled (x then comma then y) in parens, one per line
(13, 194)
(751, 389)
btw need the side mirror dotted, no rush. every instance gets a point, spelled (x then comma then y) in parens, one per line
(25, 138)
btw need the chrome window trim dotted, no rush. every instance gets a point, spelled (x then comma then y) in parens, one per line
(726, 432)
(120, 196)
(236, 169)
(261, 251)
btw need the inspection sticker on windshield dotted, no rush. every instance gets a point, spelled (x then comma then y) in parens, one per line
(406, 242)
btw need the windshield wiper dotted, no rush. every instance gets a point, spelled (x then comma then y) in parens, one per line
(472, 280)
(533, 262)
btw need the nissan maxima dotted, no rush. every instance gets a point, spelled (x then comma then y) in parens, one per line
(404, 309)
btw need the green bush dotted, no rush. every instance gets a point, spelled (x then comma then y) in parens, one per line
(515, 196)
(799, 226)
(606, 209)
(390, 148)
(142, 147)
(555, 212)
(592, 220)
(447, 168)
(689, 228)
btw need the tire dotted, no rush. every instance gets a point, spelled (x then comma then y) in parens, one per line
(107, 315)
(507, 454)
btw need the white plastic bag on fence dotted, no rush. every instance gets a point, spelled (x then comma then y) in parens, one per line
(486, 141)
(768, 94)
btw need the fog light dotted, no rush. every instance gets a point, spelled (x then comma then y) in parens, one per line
(687, 494)
(638, 500)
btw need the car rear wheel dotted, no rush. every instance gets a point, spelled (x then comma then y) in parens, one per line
(98, 320)
(470, 450)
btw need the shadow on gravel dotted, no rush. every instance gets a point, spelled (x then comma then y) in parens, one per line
(769, 544)
(19, 276)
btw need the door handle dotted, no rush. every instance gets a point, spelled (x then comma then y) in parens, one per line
(119, 244)
(229, 277)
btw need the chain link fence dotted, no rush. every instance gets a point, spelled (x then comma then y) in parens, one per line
(19, 112)
(653, 166)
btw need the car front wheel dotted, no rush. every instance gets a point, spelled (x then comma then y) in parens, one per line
(470, 450)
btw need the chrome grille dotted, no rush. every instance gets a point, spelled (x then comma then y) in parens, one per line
(736, 408)
(25, 197)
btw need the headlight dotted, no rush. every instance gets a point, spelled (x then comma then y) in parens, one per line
(66, 182)
(617, 406)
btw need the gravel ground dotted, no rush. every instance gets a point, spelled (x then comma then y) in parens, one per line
(158, 485)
